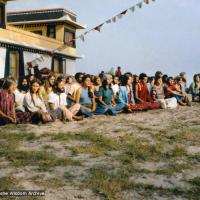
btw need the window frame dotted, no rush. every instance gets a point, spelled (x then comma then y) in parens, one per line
(3, 23)
(49, 27)
(66, 30)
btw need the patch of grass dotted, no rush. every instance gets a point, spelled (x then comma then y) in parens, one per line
(149, 190)
(93, 149)
(99, 144)
(195, 182)
(44, 160)
(68, 176)
(48, 183)
(186, 134)
(8, 183)
(194, 158)
(107, 185)
(173, 168)
(136, 149)
(46, 147)
(178, 151)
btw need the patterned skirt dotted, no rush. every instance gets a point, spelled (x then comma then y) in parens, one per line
(145, 106)
(23, 118)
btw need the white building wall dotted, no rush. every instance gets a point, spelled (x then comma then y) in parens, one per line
(2, 61)
(70, 67)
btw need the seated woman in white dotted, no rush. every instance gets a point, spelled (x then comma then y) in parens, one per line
(35, 104)
(58, 104)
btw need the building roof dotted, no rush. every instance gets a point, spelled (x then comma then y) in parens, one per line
(37, 14)
(43, 16)
(65, 19)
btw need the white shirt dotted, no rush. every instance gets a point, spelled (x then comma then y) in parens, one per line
(19, 99)
(35, 106)
(115, 89)
(57, 100)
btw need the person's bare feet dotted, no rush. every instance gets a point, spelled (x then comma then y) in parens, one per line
(78, 118)
(182, 103)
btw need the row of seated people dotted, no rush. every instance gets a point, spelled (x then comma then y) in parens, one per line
(73, 98)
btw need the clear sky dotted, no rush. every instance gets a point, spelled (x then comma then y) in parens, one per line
(164, 35)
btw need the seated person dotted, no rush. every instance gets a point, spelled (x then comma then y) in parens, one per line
(106, 103)
(86, 98)
(96, 85)
(71, 96)
(143, 96)
(194, 88)
(47, 88)
(34, 104)
(158, 94)
(115, 86)
(126, 97)
(19, 99)
(23, 86)
(68, 84)
(58, 104)
(187, 98)
(172, 91)
(7, 102)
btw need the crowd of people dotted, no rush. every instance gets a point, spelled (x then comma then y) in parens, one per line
(41, 100)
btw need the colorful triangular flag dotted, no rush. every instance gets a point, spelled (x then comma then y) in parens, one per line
(109, 21)
(139, 5)
(120, 16)
(124, 12)
(82, 38)
(114, 19)
(86, 32)
(98, 28)
(132, 9)
(146, 1)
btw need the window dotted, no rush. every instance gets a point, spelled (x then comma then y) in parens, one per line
(2, 15)
(69, 37)
(39, 32)
(58, 65)
(51, 31)
(14, 64)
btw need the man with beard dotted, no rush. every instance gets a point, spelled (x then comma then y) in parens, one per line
(59, 109)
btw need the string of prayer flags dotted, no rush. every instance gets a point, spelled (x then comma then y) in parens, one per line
(109, 21)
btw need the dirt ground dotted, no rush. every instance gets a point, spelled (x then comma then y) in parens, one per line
(148, 155)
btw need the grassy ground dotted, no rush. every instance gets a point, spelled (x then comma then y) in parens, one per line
(151, 155)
